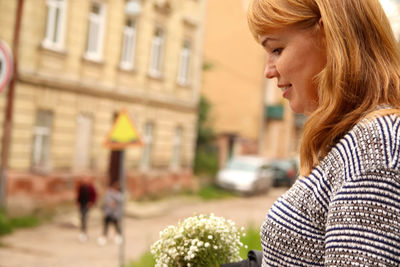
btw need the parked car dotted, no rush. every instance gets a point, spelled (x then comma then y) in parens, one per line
(285, 171)
(246, 174)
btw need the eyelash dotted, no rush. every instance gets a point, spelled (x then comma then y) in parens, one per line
(277, 51)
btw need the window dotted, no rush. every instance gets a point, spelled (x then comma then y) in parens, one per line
(41, 140)
(55, 24)
(184, 61)
(83, 142)
(96, 27)
(176, 148)
(128, 45)
(148, 145)
(156, 53)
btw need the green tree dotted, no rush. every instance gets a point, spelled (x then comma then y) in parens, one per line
(205, 133)
(206, 158)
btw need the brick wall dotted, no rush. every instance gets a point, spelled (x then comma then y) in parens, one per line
(27, 192)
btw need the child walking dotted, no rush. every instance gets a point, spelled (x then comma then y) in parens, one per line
(112, 213)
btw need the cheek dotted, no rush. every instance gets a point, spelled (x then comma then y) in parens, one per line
(285, 67)
(315, 67)
(313, 92)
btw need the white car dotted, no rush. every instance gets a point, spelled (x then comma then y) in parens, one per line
(246, 174)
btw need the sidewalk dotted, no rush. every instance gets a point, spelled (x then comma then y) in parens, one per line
(56, 244)
(151, 209)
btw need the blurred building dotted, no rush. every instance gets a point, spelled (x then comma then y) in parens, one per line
(80, 63)
(248, 112)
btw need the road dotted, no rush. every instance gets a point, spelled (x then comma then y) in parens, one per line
(56, 244)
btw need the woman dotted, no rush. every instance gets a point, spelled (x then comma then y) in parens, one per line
(85, 198)
(338, 62)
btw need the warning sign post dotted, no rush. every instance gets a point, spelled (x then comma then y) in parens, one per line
(123, 134)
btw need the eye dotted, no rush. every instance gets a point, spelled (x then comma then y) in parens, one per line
(277, 51)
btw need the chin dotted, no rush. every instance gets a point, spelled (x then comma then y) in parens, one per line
(296, 108)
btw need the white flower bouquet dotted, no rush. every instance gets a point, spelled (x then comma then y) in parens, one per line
(201, 240)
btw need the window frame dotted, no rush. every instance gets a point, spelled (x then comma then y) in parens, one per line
(177, 144)
(83, 119)
(96, 32)
(157, 53)
(185, 57)
(54, 35)
(41, 143)
(128, 49)
(148, 144)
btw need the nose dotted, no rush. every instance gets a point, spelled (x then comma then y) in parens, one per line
(270, 69)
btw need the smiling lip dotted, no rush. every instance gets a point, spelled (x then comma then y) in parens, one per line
(285, 89)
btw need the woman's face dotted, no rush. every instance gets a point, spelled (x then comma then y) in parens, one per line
(295, 57)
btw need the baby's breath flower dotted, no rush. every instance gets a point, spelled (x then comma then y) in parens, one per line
(192, 241)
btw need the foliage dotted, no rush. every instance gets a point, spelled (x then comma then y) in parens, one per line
(205, 133)
(251, 241)
(7, 225)
(206, 161)
(145, 260)
(206, 158)
(211, 192)
(24, 222)
(202, 240)
(207, 65)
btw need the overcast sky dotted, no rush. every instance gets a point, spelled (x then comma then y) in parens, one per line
(392, 9)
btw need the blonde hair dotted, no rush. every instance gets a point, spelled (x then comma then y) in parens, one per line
(362, 69)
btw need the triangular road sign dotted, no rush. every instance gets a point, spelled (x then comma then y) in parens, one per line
(123, 133)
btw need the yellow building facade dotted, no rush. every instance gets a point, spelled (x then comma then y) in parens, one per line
(242, 99)
(83, 61)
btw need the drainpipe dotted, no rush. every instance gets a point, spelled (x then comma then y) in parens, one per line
(7, 125)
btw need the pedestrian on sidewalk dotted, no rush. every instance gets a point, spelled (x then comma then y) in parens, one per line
(85, 197)
(112, 209)
(337, 62)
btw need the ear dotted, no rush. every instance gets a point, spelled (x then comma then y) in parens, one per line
(321, 29)
(321, 33)
(321, 23)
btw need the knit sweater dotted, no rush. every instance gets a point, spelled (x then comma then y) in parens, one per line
(347, 211)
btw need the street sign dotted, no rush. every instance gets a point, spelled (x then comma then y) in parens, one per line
(6, 65)
(123, 133)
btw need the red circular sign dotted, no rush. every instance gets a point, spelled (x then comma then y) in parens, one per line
(6, 65)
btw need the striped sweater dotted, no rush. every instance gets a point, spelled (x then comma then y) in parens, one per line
(347, 211)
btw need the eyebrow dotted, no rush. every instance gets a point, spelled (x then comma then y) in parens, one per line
(264, 42)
